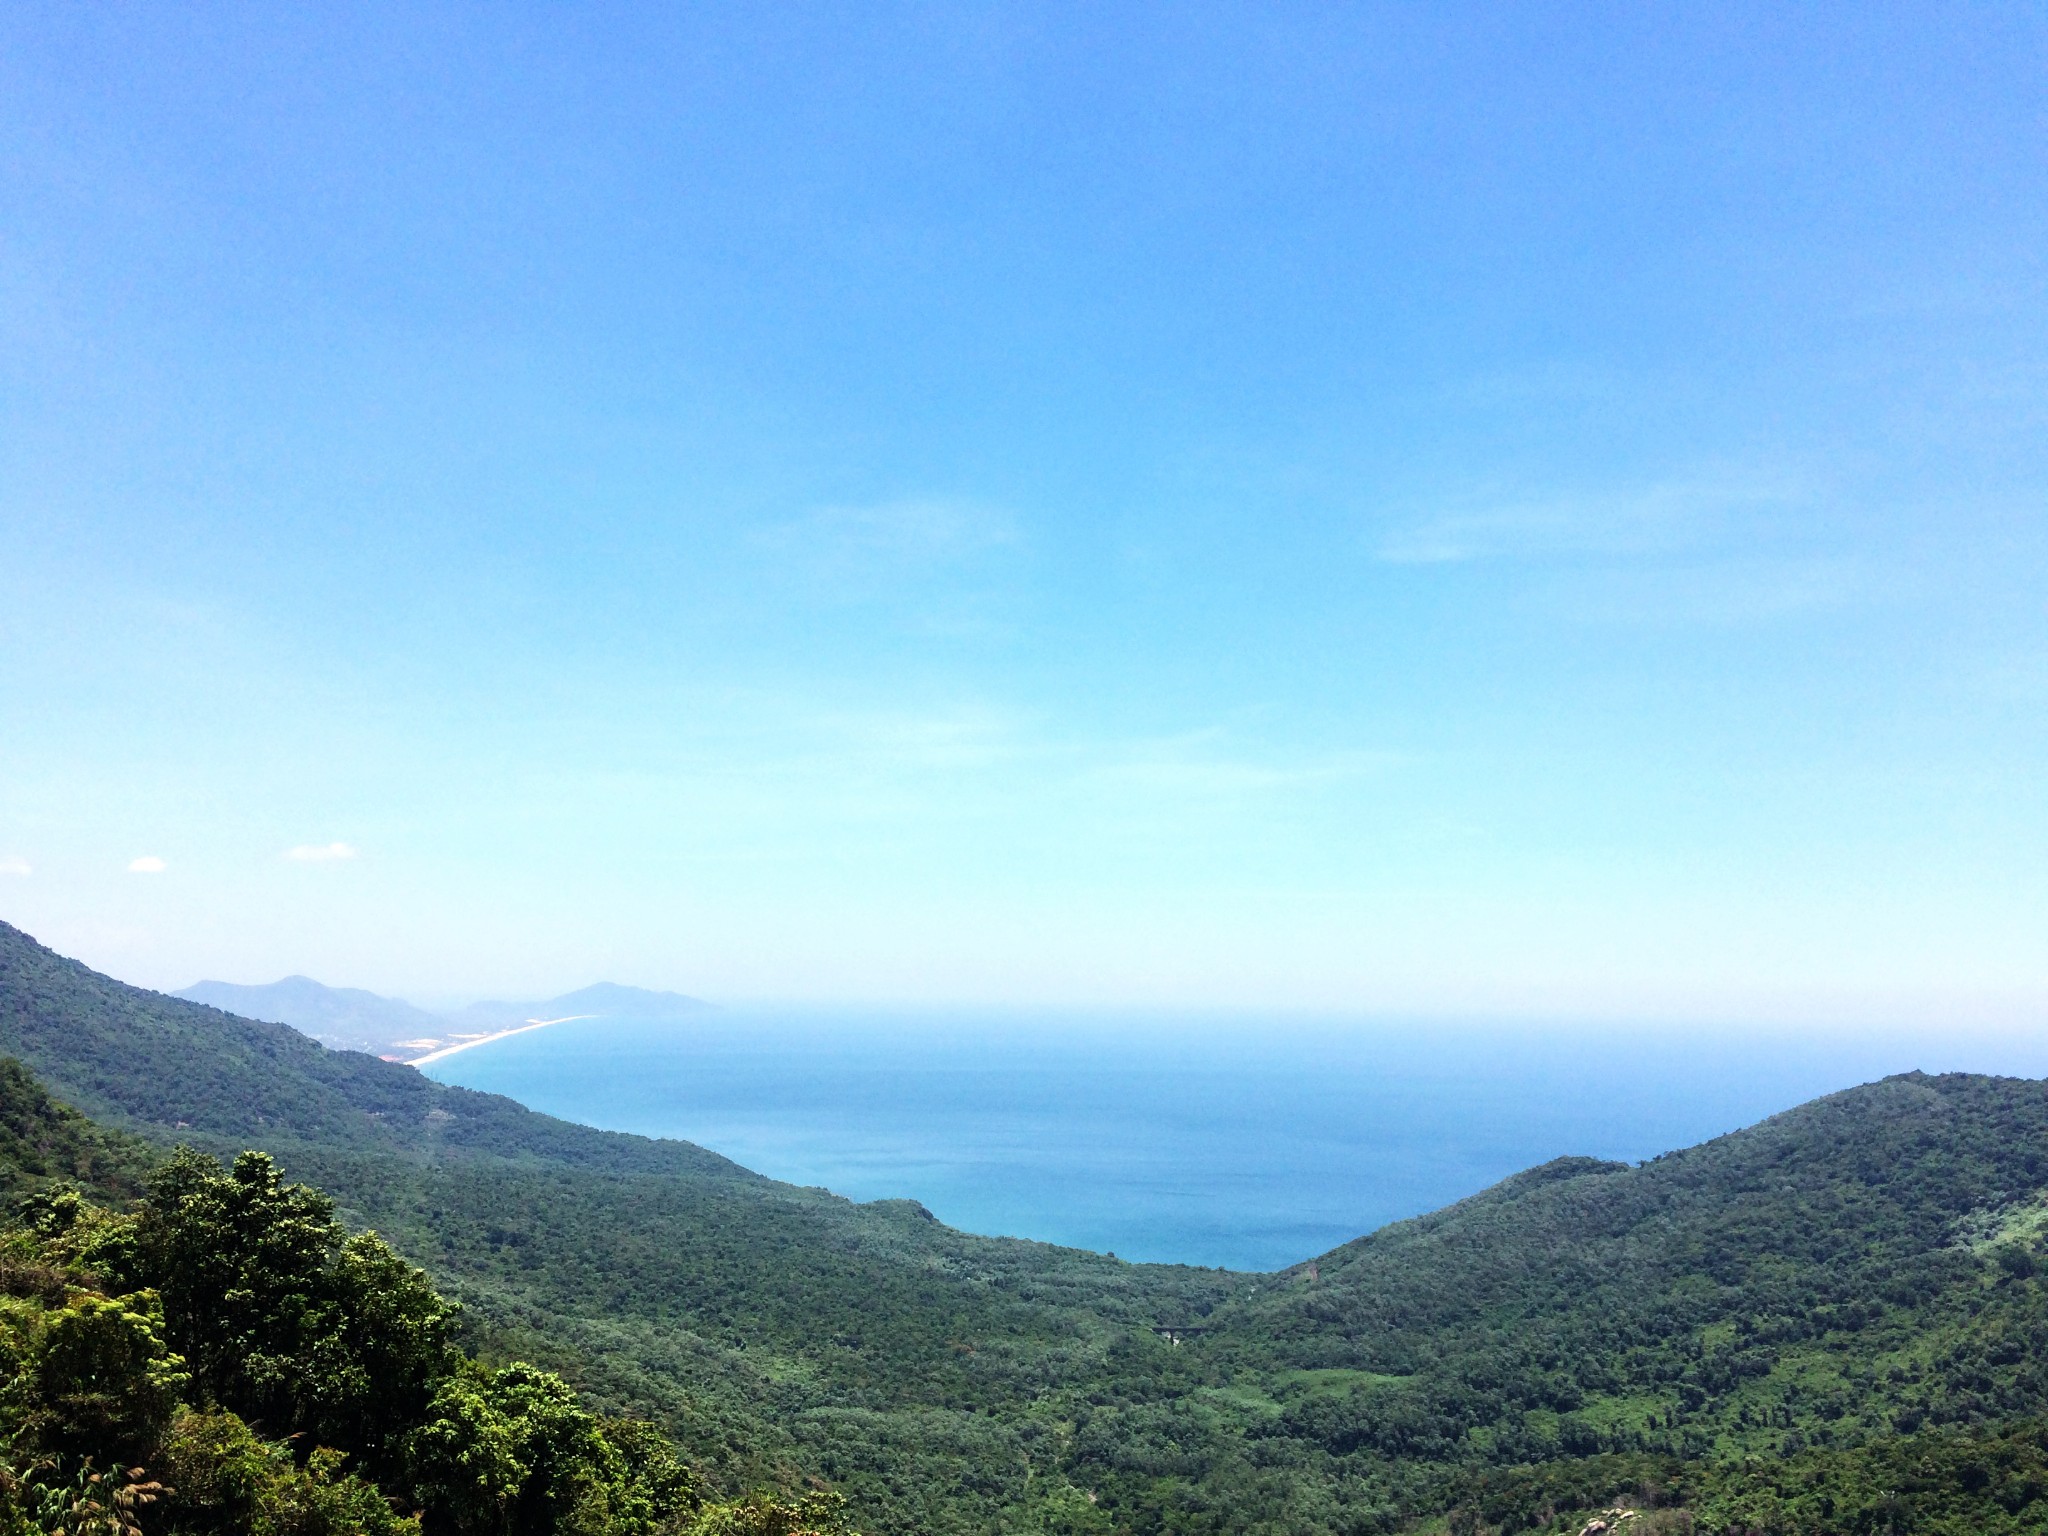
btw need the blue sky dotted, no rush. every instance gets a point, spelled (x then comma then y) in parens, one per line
(1502, 510)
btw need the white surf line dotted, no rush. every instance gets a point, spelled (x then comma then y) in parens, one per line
(450, 1050)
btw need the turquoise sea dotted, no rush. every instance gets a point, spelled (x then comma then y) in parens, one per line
(1240, 1141)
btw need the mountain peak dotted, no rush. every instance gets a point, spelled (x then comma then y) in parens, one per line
(346, 1018)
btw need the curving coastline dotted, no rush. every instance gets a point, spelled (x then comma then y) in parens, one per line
(530, 1024)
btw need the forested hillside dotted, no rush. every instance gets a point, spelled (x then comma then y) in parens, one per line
(161, 1064)
(1829, 1322)
(777, 1332)
(222, 1357)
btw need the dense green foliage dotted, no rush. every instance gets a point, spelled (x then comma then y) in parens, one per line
(226, 1358)
(1833, 1321)
(45, 1144)
(1935, 1483)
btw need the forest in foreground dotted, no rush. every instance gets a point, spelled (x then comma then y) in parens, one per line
(1830, 1322)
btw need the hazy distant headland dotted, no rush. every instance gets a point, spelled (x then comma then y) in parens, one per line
(351, 1019)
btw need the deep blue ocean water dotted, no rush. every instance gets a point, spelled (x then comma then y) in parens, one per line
(1207, 1140)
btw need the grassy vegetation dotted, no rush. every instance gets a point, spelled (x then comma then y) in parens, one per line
(1830, 1322)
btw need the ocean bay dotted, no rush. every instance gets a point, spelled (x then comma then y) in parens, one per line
(1241, 1141)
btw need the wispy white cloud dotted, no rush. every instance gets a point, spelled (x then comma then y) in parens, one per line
(936, 529)
(1661, 517)
(940, 765)
(320, 853)
(1714, 593)
(1207, 773)
(967, 737)
(860, 550)
(14, 864)
(148, 864)
(1208, 761)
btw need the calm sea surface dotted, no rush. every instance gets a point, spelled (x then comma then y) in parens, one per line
(1234, 1141)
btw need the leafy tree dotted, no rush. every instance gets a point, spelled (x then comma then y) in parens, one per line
(99, 1379)
(513, 1452)
(810, 1514)
(463, 1461)
(286, 1319)
(225, 1478)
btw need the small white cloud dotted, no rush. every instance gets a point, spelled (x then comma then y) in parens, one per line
(148, 864)
(320, 853)
(14, 865)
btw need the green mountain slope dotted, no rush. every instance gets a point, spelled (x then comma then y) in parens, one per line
(217, 1355)
(164, 1064)
(45, 1145)
(1754, 1328)
(1716, 1289)
(776, 1331)
(1861, 1267)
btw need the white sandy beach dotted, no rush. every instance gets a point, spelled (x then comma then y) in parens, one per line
(466, 1045)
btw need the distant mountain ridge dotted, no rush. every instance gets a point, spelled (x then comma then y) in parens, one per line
(344, 1018)
(351, 1019)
